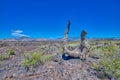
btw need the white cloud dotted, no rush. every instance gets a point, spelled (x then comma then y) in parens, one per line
(19, 33)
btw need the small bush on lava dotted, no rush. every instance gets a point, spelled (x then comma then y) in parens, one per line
(110, 61)
(4, 56)
(11, 51)
(35, 59)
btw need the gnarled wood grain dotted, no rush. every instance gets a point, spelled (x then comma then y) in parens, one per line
(79, 51)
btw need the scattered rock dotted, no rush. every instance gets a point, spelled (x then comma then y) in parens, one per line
(62, 67)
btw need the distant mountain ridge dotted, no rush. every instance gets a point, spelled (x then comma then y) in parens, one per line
(25, 39)
(53, 39)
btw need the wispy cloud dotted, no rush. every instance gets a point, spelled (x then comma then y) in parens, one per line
(19, 33)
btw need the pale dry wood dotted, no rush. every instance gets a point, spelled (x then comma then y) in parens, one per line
(79, 51)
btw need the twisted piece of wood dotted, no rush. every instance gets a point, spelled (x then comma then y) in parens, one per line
(79, 51)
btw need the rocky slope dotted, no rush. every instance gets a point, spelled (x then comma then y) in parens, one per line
(71, 69)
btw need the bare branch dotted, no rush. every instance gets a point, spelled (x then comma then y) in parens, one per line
(83, 43)
(66, 33)
(83, 35)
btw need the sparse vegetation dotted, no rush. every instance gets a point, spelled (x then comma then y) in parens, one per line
(4, 56)
(104, 55)
(11, 51)
(35, 59)
(109, 60)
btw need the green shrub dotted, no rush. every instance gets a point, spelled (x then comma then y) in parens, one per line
(109, 61)
(4, 56)
(47, 57)
(95, 52)
(32, 60)
(11, 51)
(35, 59)
(61, 49)
(110, 49)
(26, 63)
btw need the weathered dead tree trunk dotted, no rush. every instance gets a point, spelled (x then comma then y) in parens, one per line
(79, 51)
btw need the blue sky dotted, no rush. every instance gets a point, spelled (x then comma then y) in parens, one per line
(48, 18)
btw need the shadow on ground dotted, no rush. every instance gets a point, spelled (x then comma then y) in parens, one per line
(66, 57)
